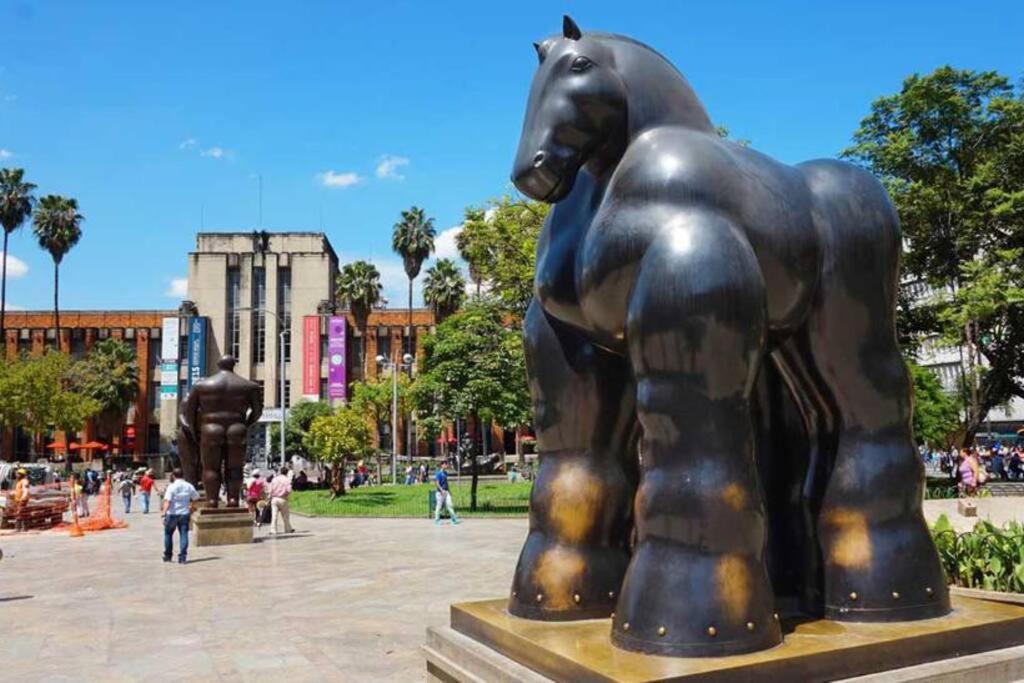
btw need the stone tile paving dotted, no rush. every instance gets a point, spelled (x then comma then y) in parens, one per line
(342, 600)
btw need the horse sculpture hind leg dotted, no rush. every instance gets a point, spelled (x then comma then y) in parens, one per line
(879, 561)
(577, 550)
(697, 584)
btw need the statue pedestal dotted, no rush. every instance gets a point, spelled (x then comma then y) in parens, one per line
(222, 526)
(484, 642)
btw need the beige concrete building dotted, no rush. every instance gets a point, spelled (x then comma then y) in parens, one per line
(233, 275)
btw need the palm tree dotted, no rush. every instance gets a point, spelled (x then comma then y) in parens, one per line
(359, 288)
(413, 240)
(56, 224)
(15, 207)
(444, 288)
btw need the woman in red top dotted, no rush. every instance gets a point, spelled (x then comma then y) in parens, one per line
(254, 494)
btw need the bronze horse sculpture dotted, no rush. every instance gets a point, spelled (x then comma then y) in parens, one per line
(722, 411)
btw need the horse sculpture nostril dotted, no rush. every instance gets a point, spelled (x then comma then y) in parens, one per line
(538, 160)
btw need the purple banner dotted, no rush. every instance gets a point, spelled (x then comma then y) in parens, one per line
(337, 327)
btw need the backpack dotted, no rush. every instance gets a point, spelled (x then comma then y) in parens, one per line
(255, 491)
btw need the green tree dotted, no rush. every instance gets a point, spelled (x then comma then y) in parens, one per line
(473, 366)
(36, 393)
(337, 436)
(57, 226)
(499, 242)
(300, 416)
(110, 376)
(372, 399)
(15, 207)
(413, 240)
(444, 289)
(359, 288)
(936, 411)
(949, 148)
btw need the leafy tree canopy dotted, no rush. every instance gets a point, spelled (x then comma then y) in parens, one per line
(949, 148)
(936, 411)
(341, 434)
(300, 417)
(109, 374)
(499, 242)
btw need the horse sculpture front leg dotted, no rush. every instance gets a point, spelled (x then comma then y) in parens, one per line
(577, 550)
(698, 583)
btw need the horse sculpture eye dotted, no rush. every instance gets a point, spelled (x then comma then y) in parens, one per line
(581, 64)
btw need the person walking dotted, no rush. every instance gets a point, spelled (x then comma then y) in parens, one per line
(127, 490)
(179, 497)
(146, 484)
(279, 490)
(81, 499)
(254, 494)
(444, 495)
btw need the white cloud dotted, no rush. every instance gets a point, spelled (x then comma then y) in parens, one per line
(5, 153)
(15, 266)
(335, 179)
(178, 288)
(214, 152)
(188, 143)
(389, 165)
(444, 243)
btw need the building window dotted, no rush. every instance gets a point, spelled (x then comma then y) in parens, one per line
(357, 353)
(78, 343)
(183, 347)
(284, 308)
(410, 342)
(323, 387)
(262, 395)
(384, 342)
(287, 393)
(259, 316)
(154, 396)
(25, 341)
(323, 346)
(234, 317)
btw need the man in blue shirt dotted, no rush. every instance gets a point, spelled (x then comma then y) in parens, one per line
(177, 510)
(444, 496)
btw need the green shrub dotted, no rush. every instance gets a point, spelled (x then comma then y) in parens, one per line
(989, 557)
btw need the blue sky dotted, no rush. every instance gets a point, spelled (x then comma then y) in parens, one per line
(159, 117)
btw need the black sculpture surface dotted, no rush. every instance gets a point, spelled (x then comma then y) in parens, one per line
(703, 313)
(214, 425)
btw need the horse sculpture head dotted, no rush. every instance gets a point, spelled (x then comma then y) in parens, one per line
(577, 103)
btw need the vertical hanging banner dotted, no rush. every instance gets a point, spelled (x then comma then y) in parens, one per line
(311, 357)
(196, 349)
(169, 359)
(337, 327)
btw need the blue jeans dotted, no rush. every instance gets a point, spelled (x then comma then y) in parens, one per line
(179, 522)
(127, 503)
(145, 502)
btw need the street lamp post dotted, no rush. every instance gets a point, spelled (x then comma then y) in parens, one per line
(282, 334)
(407, 362)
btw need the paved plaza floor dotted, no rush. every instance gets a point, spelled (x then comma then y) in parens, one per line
(341, 600)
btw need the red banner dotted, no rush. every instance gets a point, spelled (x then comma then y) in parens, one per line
(311, 356)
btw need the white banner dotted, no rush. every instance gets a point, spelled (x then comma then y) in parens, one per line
(169, 340)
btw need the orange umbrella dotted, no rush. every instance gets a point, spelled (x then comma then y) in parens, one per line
(95, 444)
(57, 445)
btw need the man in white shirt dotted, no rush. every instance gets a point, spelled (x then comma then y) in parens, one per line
(177, 511)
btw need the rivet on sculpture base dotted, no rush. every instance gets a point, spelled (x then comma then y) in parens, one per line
(484, 642)
(222, 526)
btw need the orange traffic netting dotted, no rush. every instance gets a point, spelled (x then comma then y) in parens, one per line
(93, 515)
(47, 505)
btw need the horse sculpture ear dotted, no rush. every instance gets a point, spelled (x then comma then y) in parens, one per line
(569, 28)
(542, 51)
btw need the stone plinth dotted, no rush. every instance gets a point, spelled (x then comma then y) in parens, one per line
(967, 508)
(484, 642)
(222, 526)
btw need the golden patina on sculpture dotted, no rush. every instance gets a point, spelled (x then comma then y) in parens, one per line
(714, 372)
(214, 424)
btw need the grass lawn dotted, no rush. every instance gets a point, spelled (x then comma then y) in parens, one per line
(493, 499)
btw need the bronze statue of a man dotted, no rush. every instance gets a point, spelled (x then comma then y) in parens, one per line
(215, 420)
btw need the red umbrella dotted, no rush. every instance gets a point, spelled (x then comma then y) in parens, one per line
(57, 445)
(95, 444)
